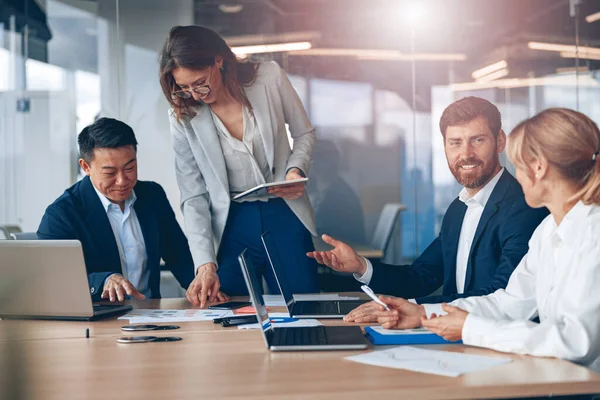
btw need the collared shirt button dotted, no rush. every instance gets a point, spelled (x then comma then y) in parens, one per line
(93, 290)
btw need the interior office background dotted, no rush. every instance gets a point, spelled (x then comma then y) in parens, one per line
(373, 75)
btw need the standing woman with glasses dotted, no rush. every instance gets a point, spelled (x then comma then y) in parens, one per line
(228, 125)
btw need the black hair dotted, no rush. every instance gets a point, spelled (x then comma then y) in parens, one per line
(102, 134)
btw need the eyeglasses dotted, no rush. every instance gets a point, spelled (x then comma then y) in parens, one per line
(199, 89)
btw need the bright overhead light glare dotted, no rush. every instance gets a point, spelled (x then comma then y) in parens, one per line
(380, 54)
(494, 75)
(585, 56)
(415, 56)
(412, 13)
(283, 37)
(571, 69)
(271, 48)
(231, 8)
(593, 17)
(481, 72)
(560, 80)
(562, 48)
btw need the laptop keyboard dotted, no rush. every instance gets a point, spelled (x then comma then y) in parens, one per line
(104, 307)
(299, 336)
(317, 308)
(325, 307)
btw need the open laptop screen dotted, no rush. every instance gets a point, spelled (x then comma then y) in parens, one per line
(277, 266)
(255, 294)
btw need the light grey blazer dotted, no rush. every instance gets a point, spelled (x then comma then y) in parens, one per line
(200, 165)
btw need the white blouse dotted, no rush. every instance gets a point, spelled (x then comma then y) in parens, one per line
(557, 280)
(246, 159)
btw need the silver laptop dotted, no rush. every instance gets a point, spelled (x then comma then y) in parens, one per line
(47, 279)
(301, 338)
(308, 308)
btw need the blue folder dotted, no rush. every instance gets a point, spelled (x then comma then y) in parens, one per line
(407, 336)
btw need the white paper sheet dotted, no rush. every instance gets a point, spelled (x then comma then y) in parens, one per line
(145, 316)
(429, 361)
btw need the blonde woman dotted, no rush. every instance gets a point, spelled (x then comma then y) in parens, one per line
(556, 154)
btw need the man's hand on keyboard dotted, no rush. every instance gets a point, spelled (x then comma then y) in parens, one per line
(116, 287)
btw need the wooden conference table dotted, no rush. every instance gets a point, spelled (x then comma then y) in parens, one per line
(54, 360)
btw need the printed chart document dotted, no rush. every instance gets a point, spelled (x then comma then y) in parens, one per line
(262, 188)
(147, 316)
(429, 361)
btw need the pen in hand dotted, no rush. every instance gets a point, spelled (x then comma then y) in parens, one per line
(372, 295)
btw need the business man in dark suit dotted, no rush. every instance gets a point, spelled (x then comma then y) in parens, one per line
(125, 226)
(485, 231)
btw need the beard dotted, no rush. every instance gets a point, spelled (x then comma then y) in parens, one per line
(478, 176)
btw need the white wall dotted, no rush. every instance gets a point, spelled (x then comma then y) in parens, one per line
(35, 163)
(129, 77)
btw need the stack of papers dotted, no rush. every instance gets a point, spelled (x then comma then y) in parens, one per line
(429, 361)
(147, 316)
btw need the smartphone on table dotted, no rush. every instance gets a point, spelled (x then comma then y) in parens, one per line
(230, 305)
(239, 320)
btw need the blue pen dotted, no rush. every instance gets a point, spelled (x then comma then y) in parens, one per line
(279, 320)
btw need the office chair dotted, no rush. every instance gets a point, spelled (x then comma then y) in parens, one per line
(7, 230)
(24, 236)
(385, 225)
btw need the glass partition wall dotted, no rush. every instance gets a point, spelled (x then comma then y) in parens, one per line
(374, 78)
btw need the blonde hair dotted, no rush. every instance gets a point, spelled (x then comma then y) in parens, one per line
(568, 140)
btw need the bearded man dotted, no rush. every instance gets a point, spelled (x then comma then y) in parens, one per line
(484, 233)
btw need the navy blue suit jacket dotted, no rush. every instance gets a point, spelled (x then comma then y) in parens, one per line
(79, 214)
(500, 242)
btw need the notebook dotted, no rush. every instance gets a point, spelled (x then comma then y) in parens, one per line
(379, 336)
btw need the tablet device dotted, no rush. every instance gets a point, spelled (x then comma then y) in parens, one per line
(262, 188)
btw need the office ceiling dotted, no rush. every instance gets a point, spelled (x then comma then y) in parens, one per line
(484, 30)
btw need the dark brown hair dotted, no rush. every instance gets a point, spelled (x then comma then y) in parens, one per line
(566, 139)
(466, 110)
(196, 47)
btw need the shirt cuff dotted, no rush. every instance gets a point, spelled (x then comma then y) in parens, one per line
(366, 277)
(104, 283)
(414, 301)
(476, 329)
(198, 267)
(433, 309)
(300, 171)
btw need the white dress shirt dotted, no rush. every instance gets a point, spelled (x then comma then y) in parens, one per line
(246, 160)
(557, 280)
(130, 242)
(475, 206)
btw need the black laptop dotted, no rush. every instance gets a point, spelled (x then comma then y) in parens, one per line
(299, 338)
(310, 308)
